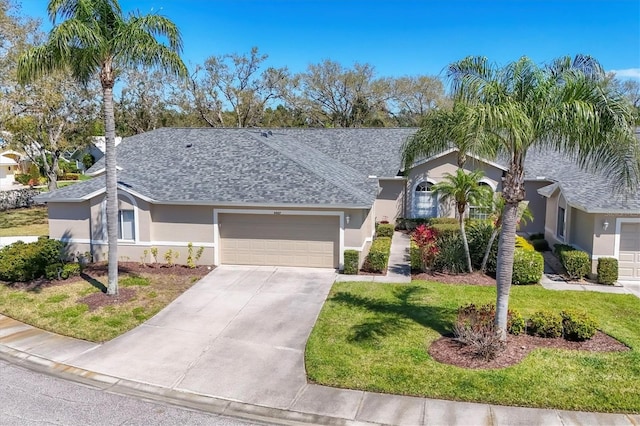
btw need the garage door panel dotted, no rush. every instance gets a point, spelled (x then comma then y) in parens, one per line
(629, 251)
(279, 240)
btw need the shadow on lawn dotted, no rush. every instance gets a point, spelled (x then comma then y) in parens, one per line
(392, 316)
(95, 283)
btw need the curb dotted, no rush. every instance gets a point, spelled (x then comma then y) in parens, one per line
(184, 399)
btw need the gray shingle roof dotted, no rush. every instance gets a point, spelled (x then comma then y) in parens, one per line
(237, 166)
(302, 167)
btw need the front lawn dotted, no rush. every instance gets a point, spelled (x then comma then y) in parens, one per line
(375, 337)
(69, 307)
(24, 222)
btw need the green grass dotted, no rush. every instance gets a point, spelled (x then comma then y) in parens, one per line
(376, 338)
(23, 222)
(60, 308)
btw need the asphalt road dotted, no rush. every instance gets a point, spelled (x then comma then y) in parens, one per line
(31, 398)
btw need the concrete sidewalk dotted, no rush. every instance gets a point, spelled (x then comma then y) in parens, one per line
(46, 352)
(5, 241)
(399, 269)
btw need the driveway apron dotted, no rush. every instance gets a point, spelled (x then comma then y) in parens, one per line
(238, 334)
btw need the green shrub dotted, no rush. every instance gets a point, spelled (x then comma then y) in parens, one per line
(478, 235)
(450, 255)
(607, 270)
(516, 324)
(70, 270)
(378, 256)
(540, 245)
(53, 271)
(23, 178)
(528, 267)
(442, 221)
(351, 258)
(545, 324)
(578, 325)
(385, 230)
(576, 262)
(24, 262)
(70, 176)
(558, 249)
(442, 229)
(416, 257)
(522, 243)
(538, 236)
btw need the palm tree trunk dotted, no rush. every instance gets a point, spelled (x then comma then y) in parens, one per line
(465, 243)
(112, 190)
(504, 270)
(487, 252)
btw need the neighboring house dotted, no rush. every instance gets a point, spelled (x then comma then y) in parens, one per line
(9, 166)
(95, 147)
(300, 197)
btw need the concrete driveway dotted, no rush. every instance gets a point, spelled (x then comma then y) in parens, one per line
(238, 334)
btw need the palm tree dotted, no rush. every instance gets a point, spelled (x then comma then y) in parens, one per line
(93, 40)
(567, 107)
(463, 189)
(441, 129)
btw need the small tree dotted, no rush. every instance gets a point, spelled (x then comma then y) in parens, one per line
(463, 189)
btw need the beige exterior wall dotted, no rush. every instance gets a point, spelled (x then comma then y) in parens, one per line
(537, 205)
(182, 223)
(389, 202)
(551, 222)
(582, 230)
(69, 223)
(435, 170)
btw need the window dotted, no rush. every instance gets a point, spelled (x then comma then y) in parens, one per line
(560, 225)
(126, 225)
(480, 212)
(425, 201)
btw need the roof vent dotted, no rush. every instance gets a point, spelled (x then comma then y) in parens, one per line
(189, 145)
(270, 133)
(265, 134)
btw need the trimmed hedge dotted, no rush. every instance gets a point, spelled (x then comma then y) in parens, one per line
(385, 230)
(528, 266)
(442, 221)
(522, 243)
(578, 325)
(351, 258)
(446, 229)
(607, 270)
(378, 256)
(545, 324)
(24, 262)
(576, 262)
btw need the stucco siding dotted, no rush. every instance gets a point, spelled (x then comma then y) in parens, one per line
(537, 205)
(181, 223)
(388, 204)
(582, 230)
(435, 170)
(69, 220)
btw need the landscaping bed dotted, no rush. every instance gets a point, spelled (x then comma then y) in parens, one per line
(78, 307)
(389, 338)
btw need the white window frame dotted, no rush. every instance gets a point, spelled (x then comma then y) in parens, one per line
(485, 215)
(564, 223)
(136, 222)
(414, 209)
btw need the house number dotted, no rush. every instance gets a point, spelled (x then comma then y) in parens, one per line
(277, 212)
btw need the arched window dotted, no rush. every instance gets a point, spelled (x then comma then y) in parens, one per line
(425, 202)
(479, 212)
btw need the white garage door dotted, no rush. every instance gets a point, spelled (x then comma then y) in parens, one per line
(629, 257)
(279, 240)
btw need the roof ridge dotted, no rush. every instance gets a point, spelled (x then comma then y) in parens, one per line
(308, 156)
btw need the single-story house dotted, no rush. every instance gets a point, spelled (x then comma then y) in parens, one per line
(8, 168)
(300, 197)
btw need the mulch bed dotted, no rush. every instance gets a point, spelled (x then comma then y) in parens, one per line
(476, 278)
(448, 350)
(101, 269)
(98, 300)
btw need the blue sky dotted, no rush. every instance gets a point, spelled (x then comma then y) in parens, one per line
(401, 37)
